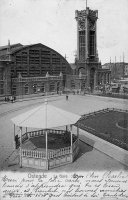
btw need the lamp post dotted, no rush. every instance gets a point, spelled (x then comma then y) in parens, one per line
(80, 78)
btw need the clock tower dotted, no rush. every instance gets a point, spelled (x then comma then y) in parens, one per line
(87, 60)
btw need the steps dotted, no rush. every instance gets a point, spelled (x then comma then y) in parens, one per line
(12, 159)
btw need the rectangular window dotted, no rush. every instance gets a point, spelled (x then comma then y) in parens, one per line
(45, 53)
(52, 87)
(72, 84)
(34, 56)
(45, 60)
(26, 89)
(55, 60)
(82, 45)
(18, 59)
(1, 88)
(14, 90)
(92, 43)
(42, 88)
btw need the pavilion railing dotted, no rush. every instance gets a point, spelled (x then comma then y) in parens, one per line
(41, 154)
(59, 152)
(37, 133)
(24, 137)
(42, 132)
(33, 153)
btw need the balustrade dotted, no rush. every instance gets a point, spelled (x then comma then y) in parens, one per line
(42, 132)
(33, 153)
(38, 154)
(41, 154)
(59, 152)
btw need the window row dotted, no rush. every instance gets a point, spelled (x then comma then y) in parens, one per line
(35, 88)
(37, 60)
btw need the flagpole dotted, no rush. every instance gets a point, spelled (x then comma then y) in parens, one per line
(86, 4)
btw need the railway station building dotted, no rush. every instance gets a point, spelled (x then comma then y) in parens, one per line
(31, 69)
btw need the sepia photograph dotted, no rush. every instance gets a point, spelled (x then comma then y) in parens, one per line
(64, 99)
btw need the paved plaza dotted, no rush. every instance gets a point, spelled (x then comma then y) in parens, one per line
(88, 159)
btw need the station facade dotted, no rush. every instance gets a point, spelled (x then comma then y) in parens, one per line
(31, 69)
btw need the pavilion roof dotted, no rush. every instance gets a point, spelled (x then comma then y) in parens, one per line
(45, 116)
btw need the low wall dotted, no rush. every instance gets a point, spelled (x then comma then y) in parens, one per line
(35, 163)
(46, 164)
(110, 149)
(58, 161)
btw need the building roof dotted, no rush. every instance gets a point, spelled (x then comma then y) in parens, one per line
(12, 46)
(42, 45)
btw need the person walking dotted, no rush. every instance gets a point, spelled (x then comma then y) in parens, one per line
(11, 99)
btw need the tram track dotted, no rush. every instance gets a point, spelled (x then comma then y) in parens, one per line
(23, 107)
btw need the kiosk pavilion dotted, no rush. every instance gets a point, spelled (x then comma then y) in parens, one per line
(47, 147)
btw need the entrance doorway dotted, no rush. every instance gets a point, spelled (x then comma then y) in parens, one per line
(58, 87)
(92, 74)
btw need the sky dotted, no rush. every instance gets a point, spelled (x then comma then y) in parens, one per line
(52, 23)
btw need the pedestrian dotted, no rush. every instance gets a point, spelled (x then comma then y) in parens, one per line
(16, 141)
(14, 98)
(66, 97)
(11, 99)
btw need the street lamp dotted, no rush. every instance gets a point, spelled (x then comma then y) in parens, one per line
(80, 78)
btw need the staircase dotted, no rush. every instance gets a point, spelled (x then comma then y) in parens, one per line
(12, 159)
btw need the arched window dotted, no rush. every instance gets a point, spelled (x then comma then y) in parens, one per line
(34, 88)
(52, 87)
(26, 89)
(42, 88)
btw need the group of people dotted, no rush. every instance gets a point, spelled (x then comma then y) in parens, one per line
(10, 99)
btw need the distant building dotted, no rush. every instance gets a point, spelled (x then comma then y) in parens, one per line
(88, 71)
(126, 69)
(28, 69)
(118, 70)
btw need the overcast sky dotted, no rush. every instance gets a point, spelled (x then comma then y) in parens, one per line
(52, 22)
